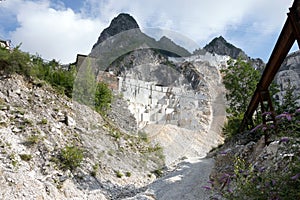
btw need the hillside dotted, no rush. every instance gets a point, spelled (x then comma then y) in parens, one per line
(37, 125)
(159, 134)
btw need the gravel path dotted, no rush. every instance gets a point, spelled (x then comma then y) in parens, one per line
(187, 179)
(186, 182)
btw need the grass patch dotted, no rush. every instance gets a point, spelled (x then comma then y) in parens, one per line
(127, 174)
(32, 139)
(119, 174)
(25, 157)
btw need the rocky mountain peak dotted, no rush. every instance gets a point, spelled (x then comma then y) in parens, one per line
(220, 46)
(123, 22)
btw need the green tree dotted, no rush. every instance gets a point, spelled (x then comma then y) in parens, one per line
(15, 61)
(240, 80)
(103, 98)
(51, 72)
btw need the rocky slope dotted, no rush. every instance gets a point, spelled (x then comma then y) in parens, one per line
(289, 73)
(186, 87)
(37, 124)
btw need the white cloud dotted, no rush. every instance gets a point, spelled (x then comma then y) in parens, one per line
(201, 20)
(60, 33)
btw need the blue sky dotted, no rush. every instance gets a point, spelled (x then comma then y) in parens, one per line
(60, 29)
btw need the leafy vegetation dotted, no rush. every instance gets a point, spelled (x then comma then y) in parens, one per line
(15, 61)
(25, 157)
(95, 169)
(279, 177)
(71, 157)
(119, 174)
(240, 80)
(62, 78)
(247, 181)
(32, 139)
(103, 98)
(52, 73)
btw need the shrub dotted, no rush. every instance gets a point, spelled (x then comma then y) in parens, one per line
(158, 172)
(143, 136)
(71, 157)
(128, 174)
(62, 80)
(32, 139)
(16, 61)
(240, 80)
(44, 121)
(25, 157)
(251, 183)
(119, 174)
(231, 127)
(281, 178)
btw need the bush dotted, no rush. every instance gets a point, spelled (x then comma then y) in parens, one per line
(128, 174)
(231, 127)
(240, 80)
(251, 183)
(279, 178)
(25, 157)
(62, 80)
(32, 139)
(16, 61)
(71, 157)
(119, 174)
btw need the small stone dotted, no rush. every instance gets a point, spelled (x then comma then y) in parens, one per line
(18, 91)
(70, 121)
(16, 130)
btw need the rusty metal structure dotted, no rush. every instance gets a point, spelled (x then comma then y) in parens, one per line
(289, 34)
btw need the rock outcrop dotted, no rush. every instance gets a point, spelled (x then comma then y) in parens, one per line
(221, 47)
(123, 22)
(289, 73)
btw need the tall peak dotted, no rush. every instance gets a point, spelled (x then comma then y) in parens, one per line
(123, 22)
(220, 46)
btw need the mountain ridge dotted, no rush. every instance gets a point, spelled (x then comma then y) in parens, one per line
(123, 22)
(220, 46)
